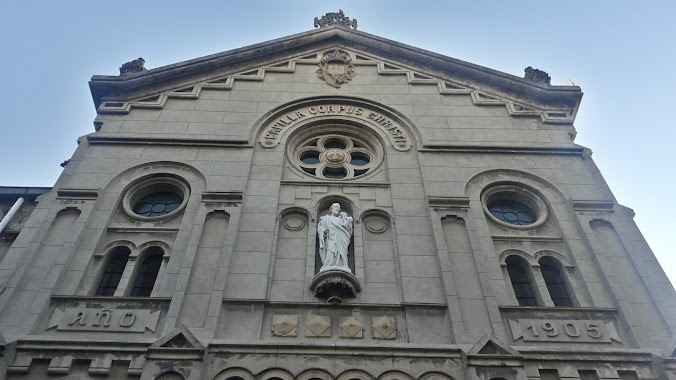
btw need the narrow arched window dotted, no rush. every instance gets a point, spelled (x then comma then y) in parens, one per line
(556, 285)
(113, 272)
(147, 273)
(520, 276)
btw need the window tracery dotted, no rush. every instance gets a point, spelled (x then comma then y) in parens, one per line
(336, 155)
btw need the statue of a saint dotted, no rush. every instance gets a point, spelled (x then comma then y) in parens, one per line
(335, 232)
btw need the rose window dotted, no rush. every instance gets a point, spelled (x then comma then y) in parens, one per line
(514, 207)
(512, 212)
(157, 204)
(335, 157)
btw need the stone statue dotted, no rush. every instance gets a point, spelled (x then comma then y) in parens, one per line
(335, 232)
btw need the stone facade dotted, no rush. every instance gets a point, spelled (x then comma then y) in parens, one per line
(181, 240)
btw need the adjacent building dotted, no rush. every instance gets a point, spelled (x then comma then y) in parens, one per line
(330, 205)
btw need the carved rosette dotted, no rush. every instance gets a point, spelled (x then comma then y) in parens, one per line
(335, 285)
(336, 68)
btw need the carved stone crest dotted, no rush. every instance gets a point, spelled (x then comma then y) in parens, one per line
(135, 66)
(536, 75)
(333, 18)
(336, 68)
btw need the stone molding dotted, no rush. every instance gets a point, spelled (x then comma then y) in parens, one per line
(445, 87)
(514, 149)
(269, 52)
(121, 139)
(436, 201)
(77, 193)
(593, 205)
(333, 183)
(229, 197)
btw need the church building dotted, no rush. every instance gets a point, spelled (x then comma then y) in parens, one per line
(330, 205)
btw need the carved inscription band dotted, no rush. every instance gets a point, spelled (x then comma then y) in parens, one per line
(564, 330)
(104, 319)
(273, 132)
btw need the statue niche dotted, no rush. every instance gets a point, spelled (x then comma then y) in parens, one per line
(334, 234)
(334, 279)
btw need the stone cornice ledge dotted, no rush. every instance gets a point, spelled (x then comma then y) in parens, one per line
(437, 201)
(549, 239)
(560, 353)
(222, 196)
(112, 299)
(558, 309)
(334, 183)
(243, 301)
(94, 139)
(75, 193)
(335, 348)
(266, 52)
(58, 343)
(137, 229)
(466, 148)
(593, 205)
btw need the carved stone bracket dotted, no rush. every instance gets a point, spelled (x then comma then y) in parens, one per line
(333, 18)
(537, 75)
(335, 285)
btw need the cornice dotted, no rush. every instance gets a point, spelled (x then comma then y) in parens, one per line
(150, 89)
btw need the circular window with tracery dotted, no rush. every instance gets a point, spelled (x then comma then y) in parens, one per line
(336, 156)
(513, 206)
(155, 198)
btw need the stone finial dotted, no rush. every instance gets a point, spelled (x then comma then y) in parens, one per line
(537, 75)
(333, 18)
(135, 66)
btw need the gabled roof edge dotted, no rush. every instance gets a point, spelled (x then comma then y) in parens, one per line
(229, 62)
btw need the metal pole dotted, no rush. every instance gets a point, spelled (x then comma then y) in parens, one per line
(10, 214)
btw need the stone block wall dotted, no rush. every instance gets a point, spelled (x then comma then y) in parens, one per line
(232, 296)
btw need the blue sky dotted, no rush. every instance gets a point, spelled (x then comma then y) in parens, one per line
(621, 53)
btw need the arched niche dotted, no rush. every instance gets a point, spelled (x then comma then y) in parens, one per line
(323, 207)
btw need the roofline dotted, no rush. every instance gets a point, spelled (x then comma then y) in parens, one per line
(26, 192)
(233, 61)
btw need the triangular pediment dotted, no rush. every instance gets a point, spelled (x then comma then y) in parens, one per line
(180, 338)
(490, 345)
(151, 88)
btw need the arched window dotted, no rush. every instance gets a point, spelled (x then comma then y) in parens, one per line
(520, 276)
(556, 285)
(113, 273)
(147, 273)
